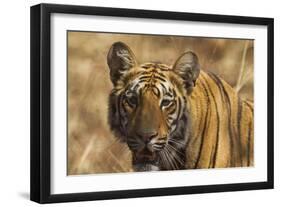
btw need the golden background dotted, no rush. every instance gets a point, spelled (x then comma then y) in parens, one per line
(91, 146)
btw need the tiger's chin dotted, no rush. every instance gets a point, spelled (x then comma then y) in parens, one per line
(143, 167)
(145, 160)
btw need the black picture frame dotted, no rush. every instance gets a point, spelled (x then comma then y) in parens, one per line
(41, 99)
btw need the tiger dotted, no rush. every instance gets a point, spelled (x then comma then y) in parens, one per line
(177, 117)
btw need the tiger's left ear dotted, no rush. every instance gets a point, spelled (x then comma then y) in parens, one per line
(120, 60)
(188, 68)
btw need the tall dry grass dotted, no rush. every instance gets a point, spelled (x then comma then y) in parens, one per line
(91, 146)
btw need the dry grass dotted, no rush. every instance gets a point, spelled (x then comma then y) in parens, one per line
(91, 146)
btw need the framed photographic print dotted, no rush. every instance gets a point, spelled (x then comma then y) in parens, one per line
(132, 103)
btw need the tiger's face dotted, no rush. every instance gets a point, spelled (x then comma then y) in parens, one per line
(147, 103)
(150, 106)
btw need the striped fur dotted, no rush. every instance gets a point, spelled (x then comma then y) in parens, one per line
(177, 117)
(222, 126)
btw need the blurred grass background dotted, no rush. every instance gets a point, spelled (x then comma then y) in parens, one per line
(91, 146)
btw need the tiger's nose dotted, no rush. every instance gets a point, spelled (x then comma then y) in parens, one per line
(147, 136)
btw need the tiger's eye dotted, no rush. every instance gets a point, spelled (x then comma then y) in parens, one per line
(132, 100)
(166, 102)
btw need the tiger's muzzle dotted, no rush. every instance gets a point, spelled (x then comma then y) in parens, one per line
(147, 132)
(145, 151)
(145, 160)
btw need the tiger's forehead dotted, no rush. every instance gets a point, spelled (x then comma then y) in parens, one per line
(150, 77)
(152, 73)
(155, 66)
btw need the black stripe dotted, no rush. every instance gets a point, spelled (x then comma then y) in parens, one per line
(228, 105)
(163, 66)
(178, 116)
(249, 134)
(249, 142)
(168, 94)
(163, 86)
(143, 80)
(173, 91)
(205, 126)
(144, 77)
(134, 88)
(173, 110)
(218, 123)
(147, 65)
(118, 111)
(179, 111)
(211, 161)
(158, 91)
(250, 106)
(161, 75)
(239, 116)
(145, 72)
(160, 78)
(145, 87)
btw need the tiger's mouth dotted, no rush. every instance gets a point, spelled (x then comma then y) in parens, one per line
(145, 153)
(145, 160)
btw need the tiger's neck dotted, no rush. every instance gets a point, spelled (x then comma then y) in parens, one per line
(221, 126)
(204, 103)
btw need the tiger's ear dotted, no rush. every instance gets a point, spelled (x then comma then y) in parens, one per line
(120, 60)
(188, 68)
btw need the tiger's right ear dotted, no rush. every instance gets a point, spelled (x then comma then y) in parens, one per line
(188, 68)
(120, 60)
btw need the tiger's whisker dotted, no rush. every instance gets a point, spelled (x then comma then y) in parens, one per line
(163, 155)
(175, 155)
(176, 149)
(175, 141)
(171, 161)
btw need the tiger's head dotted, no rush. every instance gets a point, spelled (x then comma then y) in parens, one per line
(148, 107)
